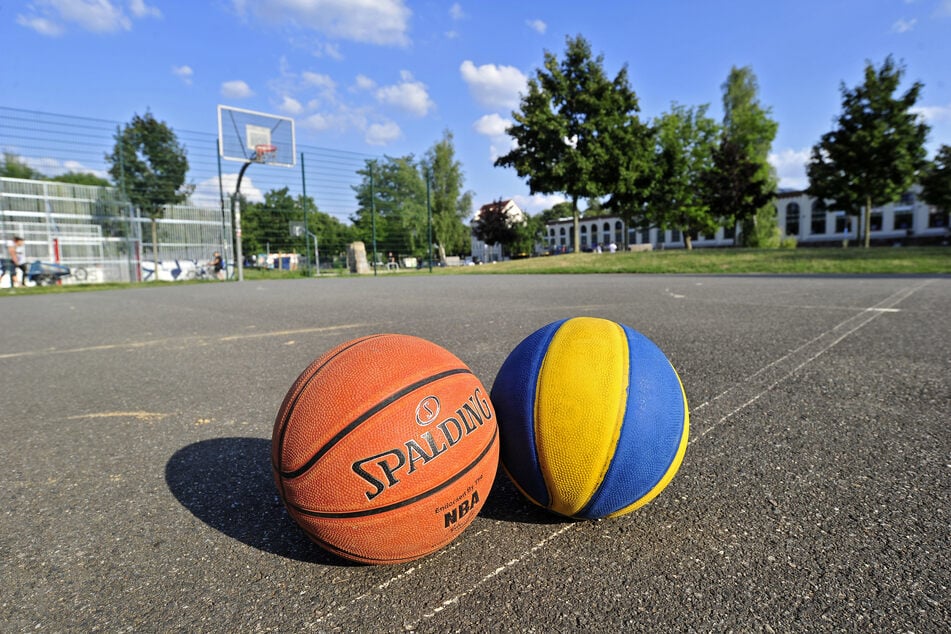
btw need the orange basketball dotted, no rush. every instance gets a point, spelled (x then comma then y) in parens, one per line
(385, 449)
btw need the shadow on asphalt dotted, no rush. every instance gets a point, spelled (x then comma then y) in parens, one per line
(227, 483)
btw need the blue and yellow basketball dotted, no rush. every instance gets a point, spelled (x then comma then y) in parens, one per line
(592, 417)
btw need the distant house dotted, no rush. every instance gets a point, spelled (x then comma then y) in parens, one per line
(493, 252)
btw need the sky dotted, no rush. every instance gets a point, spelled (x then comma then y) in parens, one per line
(391, 76)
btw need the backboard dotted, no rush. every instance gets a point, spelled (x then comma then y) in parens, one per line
(245, 135)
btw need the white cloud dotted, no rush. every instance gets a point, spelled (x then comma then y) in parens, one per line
(383, 133)
(383, 22)
(290, 106)
(537, 25)
(208, 194)
(790, 165)
(362, 82)
(933, 114)
(236, 89)
(538, 203)
(494, 86)
(456, 12)
(944, 9)
(43, 26)
(903, 25)
(141, 10)
(184, 72)
(491, 125)
(410, 96)
(97, 16)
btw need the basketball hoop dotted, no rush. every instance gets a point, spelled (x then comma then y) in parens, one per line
(263, 152)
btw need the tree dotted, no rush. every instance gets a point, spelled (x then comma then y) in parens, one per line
(577, 132)
(450, 205)
(936, 182)
(494, 224)
(742, 183)
(737, 188)
(265, 226)
(686, 138)
(877, 149)
(81, 178)
(149, 164)
(392, 206)
(14, 167)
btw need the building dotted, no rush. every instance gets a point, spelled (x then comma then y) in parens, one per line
(483, 252)
(910, 220)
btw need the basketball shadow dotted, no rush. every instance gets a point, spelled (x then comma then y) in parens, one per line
(227, 483)
(506, 503)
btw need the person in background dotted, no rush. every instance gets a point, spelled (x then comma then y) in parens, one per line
(10, 260)
(218, 265)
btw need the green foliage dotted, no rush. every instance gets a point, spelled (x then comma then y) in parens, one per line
(266, 226)
(451, 207)
(685, 142)
(742, 183)
(737, 189)
(577, 131)
(82, 178)
(392, 204)
(877, 149)
(149, 164)
(936, 181)
(14, 167)
(493, 225)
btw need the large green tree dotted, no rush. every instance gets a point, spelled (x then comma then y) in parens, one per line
(742, 183)
(875, 151)
(685, 142)
(391, 201)
(936, 181)
(149, 165)
(451, 206)
(577, 131)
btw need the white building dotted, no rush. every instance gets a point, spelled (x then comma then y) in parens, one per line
(483, 252)
(797, 214)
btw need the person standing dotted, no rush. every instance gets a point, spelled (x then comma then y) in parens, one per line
(13, 258)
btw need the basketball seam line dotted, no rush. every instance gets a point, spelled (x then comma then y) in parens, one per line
(290, 409)
(290, 475)
(408, 501)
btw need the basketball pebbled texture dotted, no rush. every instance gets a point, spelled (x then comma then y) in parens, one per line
(385, 448)
(592, 416)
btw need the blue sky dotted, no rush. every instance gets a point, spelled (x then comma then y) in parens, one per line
(389, 76)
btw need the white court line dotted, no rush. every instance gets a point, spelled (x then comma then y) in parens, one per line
(196, 339)
(835, 335)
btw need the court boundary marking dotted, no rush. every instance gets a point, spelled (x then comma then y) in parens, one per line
(826, 341)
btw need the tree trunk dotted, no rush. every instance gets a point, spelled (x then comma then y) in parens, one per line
(688, 242)
(868, 220)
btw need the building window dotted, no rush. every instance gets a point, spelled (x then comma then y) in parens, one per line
(792, 219)
(675, 235)
(937, 218)
(841, 223)
(562, 232)
(619, 232)
(876, 221)
(903, 220)
(646, 236)
(818, 225)
(907, 200)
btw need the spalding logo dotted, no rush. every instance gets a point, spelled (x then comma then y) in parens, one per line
(427, 411)
(384, 470)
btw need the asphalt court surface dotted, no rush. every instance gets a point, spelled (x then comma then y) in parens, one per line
(814, 494)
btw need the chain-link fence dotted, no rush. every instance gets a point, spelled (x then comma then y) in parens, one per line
(98, 232)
